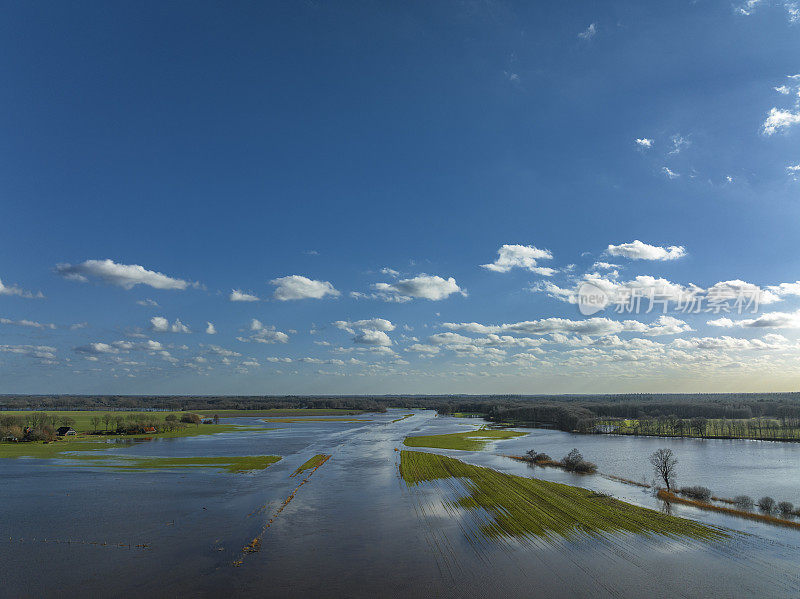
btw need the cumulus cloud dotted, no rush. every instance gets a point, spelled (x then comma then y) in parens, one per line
(210, 328)
(147, 302)
(589, 32)
(769, 320)
(423, 286)
(18, 291)
(97, 349)
(295, 287)
(27, 323)
(261, 333)
(779, 120)
(126, 276)
(159, 324)
(368, 337)
(597, 326)
(237, 295)
(644, 142)
(44, 352)
(375, 324)
(520, 256)
(422, 348)
(637, 250)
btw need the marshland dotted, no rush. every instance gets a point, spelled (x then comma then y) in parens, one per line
(418, 499)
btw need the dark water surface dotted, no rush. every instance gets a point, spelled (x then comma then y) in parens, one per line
(355, 529)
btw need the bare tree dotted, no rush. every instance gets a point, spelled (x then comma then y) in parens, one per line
(95, 420)
(664, 464)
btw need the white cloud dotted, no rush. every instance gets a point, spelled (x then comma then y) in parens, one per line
(644, 142)
(605, 266)
(14, 290)
(423, 286)
(678, 143)
(793, 11)
(769, 320)
(210, 328)
(669, 173)
(44, 352)
(597, 326)
(389, 271)
(589, 32)
(778, 120)
(375, 324)
(160, 324)
(783, 89)
(637, 250)
(368, 337)
(295, 287)
(27, 323)
(793, 170)
(222, 352)
(741, 290)
(261, 333)
(785, 289)
(746, 9)
(147, 302)
(520, 256)
(97, 348)
(422, 348)
(126, 276)
(237, 295)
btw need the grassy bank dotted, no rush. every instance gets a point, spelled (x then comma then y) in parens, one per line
(673, 498)
(315, 462)
(229, 463)
(402, 418)
(522, 507)
(468, 441)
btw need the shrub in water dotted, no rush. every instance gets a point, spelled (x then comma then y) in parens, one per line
(696, 492)
(766, 504)
(743, 502)
(785, 508)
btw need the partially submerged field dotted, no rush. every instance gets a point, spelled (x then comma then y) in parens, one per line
(499, 505)
(468, 441)
(229, 463)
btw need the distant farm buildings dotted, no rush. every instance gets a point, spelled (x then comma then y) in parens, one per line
(65, 431)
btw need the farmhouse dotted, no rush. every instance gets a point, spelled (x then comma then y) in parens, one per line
(66, 431)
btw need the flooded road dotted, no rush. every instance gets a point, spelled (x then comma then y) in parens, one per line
(355, 529)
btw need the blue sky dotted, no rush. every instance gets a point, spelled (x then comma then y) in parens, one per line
(358, 168)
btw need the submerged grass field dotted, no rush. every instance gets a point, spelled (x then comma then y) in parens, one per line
(468, 441)
(402, 418)
(519, 507)
(282, 412)
(315, 462)
(290, 420)
(56, 449)
(229, 463)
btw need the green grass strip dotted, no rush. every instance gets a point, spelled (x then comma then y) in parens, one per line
(315, 462)
(229, 463)
(468, 441)
(521, 507)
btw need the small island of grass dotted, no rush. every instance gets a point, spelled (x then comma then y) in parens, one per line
(467, 441)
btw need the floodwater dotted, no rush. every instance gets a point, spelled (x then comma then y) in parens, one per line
(355, 530)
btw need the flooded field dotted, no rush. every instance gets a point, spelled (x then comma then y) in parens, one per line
(350, 525)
